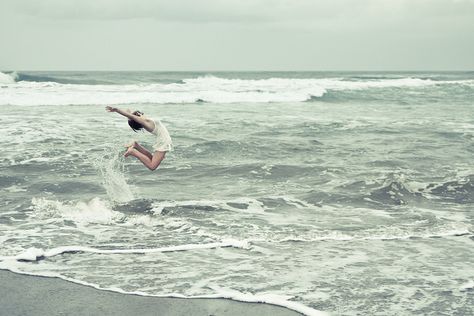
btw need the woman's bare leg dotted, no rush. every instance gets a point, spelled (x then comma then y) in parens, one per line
(140, 148)
(152, 163)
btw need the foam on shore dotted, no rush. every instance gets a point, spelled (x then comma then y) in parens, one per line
(221, 293)
(34, 254)
(77, 299)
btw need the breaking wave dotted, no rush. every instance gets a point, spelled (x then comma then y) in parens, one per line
(21, 89)
(8, 78)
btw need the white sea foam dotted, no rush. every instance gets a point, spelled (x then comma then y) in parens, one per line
(95, 211)
(469, 285)
(12, 264)
(295, 202)
(278, 300)
(98, 211)
(248, 205)
(387, 233)
(33, 254)
(208, 89)
(14, 189)
(273, 299)
(7, 78)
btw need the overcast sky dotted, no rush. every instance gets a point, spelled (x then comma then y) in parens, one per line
(237, 35)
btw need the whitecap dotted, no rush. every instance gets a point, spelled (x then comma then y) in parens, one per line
(34, 254)
(469, 285)
(201, 89)
(8, 78)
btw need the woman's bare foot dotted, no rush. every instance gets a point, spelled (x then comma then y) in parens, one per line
(132, 144)
(129, 151)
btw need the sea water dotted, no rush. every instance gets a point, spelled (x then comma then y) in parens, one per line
(349, 193)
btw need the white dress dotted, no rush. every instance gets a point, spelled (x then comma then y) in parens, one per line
(163, 139)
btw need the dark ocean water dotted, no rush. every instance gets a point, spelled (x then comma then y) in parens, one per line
(350, 193)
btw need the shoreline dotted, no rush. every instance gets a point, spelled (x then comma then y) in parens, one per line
(22, 294)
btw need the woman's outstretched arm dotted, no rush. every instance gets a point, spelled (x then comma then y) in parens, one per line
(149, 125)
(125, 113)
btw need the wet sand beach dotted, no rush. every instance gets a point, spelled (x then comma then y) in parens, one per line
(32, 295)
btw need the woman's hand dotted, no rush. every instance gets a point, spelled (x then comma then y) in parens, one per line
(110, 109)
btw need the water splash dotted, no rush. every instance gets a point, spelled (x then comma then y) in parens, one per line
(111, 166)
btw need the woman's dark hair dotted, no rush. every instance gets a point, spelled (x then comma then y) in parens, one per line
(135, 125)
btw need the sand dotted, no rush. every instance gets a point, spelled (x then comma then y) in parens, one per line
(30, 295)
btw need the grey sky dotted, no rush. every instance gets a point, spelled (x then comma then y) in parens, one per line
(237, 35)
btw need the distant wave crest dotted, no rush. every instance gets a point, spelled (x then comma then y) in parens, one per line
(8, 78)
(20, 89)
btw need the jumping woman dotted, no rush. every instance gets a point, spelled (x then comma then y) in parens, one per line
(138, 121)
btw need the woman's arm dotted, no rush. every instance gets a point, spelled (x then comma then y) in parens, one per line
(148, 124)
(125, 113)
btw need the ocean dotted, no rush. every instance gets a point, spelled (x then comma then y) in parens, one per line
(349, 193)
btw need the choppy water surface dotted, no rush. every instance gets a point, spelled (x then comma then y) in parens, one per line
(350, 193)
